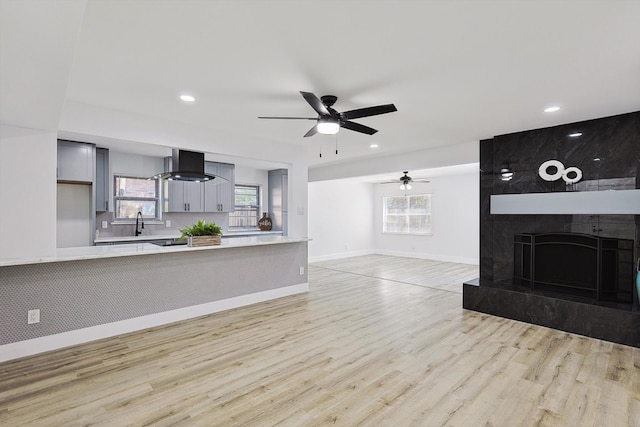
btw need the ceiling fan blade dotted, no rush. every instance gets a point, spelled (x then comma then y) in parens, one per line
(369, 111)
(312, 131)
(290, 118)
(358, 127)
(315, 103)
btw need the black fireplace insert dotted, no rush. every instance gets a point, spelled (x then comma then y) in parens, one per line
(580, 265)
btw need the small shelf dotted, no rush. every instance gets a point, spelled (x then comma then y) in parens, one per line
(618, 202)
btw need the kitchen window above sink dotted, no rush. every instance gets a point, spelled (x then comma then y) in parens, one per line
(133, 195)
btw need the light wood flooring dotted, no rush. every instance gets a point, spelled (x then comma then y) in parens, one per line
(377, 341)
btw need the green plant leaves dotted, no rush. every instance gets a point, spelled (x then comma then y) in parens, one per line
(201, 228)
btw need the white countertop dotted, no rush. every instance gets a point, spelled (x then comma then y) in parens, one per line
(136, 238)
(114, 239)
(133, 249)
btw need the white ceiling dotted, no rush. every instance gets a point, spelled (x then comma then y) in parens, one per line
(458, 71)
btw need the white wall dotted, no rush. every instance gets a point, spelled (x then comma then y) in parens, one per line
(345, 219)
(455, 220)
(28, 160)
(340, 219)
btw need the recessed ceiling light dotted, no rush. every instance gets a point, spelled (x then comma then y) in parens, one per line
(187, 98)
(552, 109)
(373, 146)
(575, 134)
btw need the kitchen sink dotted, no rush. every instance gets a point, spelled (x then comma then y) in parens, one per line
(171, 242)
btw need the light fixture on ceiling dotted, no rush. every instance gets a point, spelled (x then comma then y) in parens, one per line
(552, 109)
(328, 126)
(373, 146)
(405, 181)
(187, 98)
(406, 186)
(506, 174)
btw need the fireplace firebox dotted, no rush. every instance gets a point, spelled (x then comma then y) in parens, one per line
(580, 265)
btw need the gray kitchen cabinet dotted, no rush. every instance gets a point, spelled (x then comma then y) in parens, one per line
(220, 196)
(76, 162)
(183, 196)
(102, 180)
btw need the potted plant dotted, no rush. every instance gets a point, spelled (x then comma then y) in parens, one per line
(202, 234)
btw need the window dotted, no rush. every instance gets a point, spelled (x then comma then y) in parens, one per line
(407, 214)
(247, 207)
(133, 195)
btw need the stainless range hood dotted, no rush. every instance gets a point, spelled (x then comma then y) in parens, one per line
(185, 165)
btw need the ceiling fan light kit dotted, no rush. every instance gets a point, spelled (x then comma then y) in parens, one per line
(329, 121)
(328, 126)
(405, 181)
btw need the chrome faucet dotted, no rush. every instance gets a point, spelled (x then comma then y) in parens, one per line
(139, 218)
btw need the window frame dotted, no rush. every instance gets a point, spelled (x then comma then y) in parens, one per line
(408, 214)
(157, 199)
(256, 208)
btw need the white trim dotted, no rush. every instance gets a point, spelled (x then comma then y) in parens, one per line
(341, 255)
(434, 257)
(80, 336)
(444, 258)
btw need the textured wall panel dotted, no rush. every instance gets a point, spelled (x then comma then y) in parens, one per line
(78, 294)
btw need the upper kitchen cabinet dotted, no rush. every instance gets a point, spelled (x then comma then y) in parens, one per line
(102, 180)
(183, 196)
(220, 196)
(76, 162)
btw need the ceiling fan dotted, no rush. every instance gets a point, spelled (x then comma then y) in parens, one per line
(329, 121)
(405, 181)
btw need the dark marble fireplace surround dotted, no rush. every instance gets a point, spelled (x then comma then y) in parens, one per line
(615, 141)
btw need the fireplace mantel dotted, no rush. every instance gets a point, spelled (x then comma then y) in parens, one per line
(612, 202)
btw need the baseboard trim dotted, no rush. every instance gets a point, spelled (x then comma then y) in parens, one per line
(434, 257)
(339, 256)
(80, 336)
(444, 258)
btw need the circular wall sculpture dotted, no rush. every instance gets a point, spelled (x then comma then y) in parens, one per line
(542, 171)
(570, 175)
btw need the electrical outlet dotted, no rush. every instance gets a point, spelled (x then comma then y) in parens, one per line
(104, 224)
(302, 271)
(300, 210)
(33, 316)
(168, 223)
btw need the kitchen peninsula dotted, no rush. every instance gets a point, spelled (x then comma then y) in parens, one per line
(89, 293)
